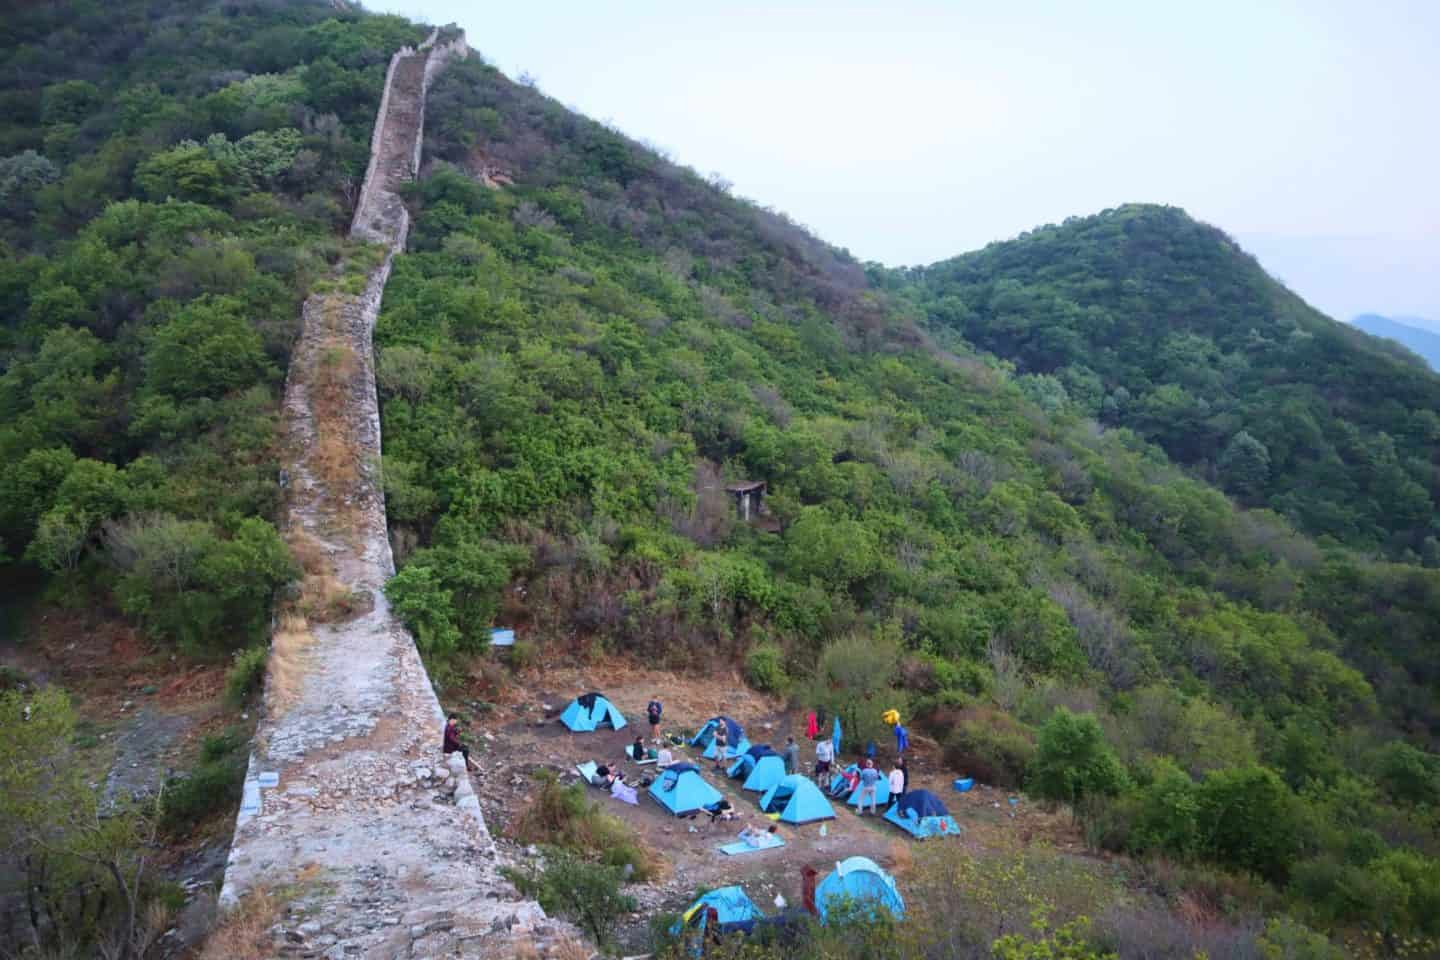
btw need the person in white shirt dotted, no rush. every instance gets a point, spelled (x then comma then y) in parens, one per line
(824, 755)
(897, 783)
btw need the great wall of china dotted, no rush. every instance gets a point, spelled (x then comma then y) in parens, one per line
(347, 801)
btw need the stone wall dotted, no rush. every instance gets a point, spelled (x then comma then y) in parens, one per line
(347, 797)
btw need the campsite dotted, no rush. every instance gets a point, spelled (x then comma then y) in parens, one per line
(515, 738)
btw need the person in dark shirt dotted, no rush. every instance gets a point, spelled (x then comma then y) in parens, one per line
(452, 743)
(653, 709)
(637, 750)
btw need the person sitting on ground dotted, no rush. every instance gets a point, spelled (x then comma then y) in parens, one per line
(451, 742)
(653, 710)
(869, 784)
(824, 754)
(755, 837)
(664, 758)
(849, 780)
(637, 750)
(792, 755)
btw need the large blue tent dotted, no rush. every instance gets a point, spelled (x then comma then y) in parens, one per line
(681, 789)
(921, 814)
(858, 883)
(797, 800)
(591, 711)
(735, 742)
(768, 772)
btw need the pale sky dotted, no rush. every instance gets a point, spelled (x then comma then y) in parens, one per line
(909, 132)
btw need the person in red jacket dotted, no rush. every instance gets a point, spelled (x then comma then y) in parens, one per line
(452, 742)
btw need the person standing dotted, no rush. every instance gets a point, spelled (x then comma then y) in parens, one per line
(869, 782)
(792, 755)
(902, 739)
(904, 766)
(812, 725)
(824, 754)
(653, 709)
(722, 743)
(897, 783)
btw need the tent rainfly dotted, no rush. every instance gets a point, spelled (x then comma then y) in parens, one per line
(735, 742)
(921, 814)
(746, 761)
(768, 772)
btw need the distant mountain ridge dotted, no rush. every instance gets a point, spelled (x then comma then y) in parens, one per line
(1144, 318)
(1418, 335)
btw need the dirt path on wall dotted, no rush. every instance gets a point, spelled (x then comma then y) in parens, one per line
(347, 798)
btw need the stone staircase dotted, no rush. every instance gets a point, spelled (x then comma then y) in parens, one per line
(348, 804)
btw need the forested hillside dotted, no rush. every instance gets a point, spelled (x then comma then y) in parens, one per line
(587, 344)
(1144, 318)
(173, 181)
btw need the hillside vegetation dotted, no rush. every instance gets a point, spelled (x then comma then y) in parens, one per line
(1144, 318)
(576, 360)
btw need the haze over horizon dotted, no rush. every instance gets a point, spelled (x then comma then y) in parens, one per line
(917, 132)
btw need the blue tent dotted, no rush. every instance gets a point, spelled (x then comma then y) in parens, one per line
(921, 814)
(882, 792)
(680, 789)
(746, 761)
(768, 772)
(733, 909)
(837, 781)
(735, 742)
(797, 800)
(591, 711)
(855, 883)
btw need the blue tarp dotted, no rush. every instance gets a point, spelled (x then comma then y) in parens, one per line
(768, 772)
(858, 883)
(733, 909)
(683, 791)
(591, 711)
(797, 800)
(835, 737)
(921, 814)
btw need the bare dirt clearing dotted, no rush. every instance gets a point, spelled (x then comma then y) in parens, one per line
(515, 734)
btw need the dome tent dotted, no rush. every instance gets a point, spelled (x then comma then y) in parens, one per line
(921, 814)
(855, 883)
(797, 800)
(681, 789)
(746, 761)
(882, 791)
(768, 772)
(591, 711)
(735, 742)
(733, 909)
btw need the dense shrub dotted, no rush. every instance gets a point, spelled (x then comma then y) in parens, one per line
(990, 745)
(1073, 764)
(765, 668)
(246, 675)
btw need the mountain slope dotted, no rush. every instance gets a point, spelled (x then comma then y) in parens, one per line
(1424, 343)
(1155, 322)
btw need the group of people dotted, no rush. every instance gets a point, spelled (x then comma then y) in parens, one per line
(866, 779)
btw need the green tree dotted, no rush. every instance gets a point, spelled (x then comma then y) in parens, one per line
(1073, 763)
(1250, 820)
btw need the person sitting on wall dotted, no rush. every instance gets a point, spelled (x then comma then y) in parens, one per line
(451, 742)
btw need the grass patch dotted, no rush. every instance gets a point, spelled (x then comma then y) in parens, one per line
(564, 817)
